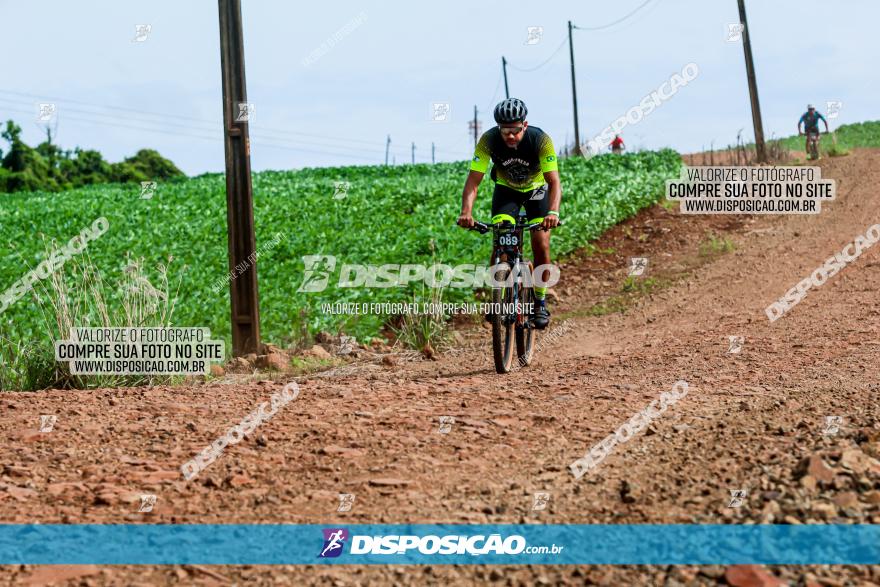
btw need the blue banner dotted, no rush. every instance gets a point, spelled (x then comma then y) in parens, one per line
(271, 544)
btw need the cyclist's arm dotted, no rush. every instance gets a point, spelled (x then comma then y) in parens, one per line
(550, 169)
(479, 165)
(822, 118)
(555, 185)
(469, 195)
(801, 122)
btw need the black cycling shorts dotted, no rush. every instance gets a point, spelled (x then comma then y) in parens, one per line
(506, 203)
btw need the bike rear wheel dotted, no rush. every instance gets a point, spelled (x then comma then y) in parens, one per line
(502, 327)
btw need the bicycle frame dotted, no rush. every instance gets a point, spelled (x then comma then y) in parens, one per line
(813, 144)
(507, 247)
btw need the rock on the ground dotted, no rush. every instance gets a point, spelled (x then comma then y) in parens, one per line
(270, 349)
(317, 352)
(857, 461)
(239, 365)
(275, 362)
(815, 467)
(751, 576)
(59, 574)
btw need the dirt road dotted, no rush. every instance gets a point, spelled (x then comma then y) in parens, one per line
(754, 419)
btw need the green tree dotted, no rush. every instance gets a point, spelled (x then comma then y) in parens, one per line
(48, 167)
(27, 169)
(154, 166)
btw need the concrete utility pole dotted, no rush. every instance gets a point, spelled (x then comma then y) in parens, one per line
(504, 68)
(432, 153)
(760, 148)
(387, 144)
(574, 96)
(239, 194)
(414, 153)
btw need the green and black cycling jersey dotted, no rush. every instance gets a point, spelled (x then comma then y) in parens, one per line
(521, 168)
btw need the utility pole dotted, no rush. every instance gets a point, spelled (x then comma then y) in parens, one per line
(574, 96)
(387, 144)
(239, 194)
(414, 153)
(432, 152)
(753, 86)
(475, 126)
(504, 68)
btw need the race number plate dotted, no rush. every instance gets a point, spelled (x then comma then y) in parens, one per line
(508, 240)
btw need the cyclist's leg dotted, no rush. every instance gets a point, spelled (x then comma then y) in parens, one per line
(537, 205)
(506, 203)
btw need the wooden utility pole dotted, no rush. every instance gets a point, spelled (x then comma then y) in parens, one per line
(414, 153)
(387, 144)
(475, 126)
(504, 68)
(574, 96)
(239, 194)
(760, 148)
(432, 153)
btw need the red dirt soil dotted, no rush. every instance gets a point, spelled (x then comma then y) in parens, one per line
(751, 419)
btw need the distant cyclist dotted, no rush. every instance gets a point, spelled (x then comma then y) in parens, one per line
(617, 145)
(523, 160)
(810, 121)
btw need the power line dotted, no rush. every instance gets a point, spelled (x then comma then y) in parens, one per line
(214, 124)
(543, 63)
(618, 21)
(258, 137)
(215, 138)
(495, 93)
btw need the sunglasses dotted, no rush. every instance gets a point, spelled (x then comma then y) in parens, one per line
(510, 130)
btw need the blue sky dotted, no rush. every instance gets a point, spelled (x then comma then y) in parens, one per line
(381, 78)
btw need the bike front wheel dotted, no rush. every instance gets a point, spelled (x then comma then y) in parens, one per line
(502, 326)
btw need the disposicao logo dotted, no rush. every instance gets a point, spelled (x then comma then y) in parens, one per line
(477, 545)
(334, 541)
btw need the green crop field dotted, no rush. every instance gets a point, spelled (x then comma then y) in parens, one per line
(400, 214)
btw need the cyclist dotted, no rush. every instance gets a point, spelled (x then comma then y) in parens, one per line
(810, 121)
(523, 160)
(617, 145)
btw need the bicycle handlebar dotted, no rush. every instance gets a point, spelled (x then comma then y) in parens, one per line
(484, 227)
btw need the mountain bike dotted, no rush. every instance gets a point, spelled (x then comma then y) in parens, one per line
(812, 145)
(514, 299)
